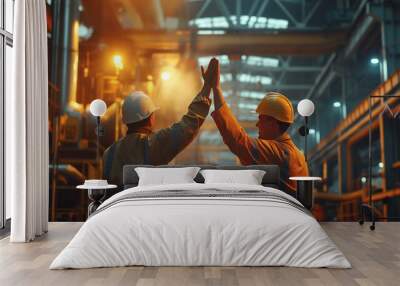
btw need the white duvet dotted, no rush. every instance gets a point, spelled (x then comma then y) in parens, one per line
(192, 231)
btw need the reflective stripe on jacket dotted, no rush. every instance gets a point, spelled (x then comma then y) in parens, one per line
(280, 151)
(156, 148)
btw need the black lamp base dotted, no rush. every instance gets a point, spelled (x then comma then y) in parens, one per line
(96, 196)
(305, 193)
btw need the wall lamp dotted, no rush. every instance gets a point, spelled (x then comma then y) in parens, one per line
(306, 109)
(97, 108)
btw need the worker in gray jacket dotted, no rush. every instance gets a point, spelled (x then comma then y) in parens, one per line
(143, 145)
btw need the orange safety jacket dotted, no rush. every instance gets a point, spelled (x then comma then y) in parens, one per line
(280, 151)
(156, 148)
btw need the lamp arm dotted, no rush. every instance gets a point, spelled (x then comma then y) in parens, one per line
(305, 137)
(98, 144)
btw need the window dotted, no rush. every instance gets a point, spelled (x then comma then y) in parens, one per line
(6, 44)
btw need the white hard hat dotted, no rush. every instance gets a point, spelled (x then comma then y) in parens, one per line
(136, 107)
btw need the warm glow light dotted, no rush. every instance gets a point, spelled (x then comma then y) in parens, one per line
(165, 75)
(117, 60)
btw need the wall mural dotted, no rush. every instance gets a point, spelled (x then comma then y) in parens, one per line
(195, 88)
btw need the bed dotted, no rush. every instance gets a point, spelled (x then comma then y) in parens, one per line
(197, 224)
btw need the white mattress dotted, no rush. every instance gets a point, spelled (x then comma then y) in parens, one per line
(200, 231)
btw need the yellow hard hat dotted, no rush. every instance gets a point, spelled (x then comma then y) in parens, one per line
(278, 106)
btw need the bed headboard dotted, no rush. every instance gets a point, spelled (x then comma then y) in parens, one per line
(270, 179)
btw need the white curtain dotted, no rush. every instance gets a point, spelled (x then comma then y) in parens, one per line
(27, 124)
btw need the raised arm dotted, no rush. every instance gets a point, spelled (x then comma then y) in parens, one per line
(247, 149)
(165, 144)
(233, 135)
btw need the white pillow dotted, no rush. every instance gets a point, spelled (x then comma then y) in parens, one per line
(248, 177)
(165, 176)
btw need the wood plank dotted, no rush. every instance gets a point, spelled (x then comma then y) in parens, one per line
(375, 257)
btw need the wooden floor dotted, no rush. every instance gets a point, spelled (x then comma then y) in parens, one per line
(375, 257)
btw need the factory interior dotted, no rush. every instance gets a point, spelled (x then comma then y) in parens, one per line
(344, 55)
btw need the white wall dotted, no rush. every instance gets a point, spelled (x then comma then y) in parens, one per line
(8, 62)
(9, 26)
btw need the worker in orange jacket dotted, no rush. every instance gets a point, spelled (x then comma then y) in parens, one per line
(273, 145)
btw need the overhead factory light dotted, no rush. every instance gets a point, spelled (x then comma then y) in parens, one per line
(244, 21)
(223, 60)
(248, 117)
(252, 94)
(263, 22)
(225, 77)
(243, 77)
(210, 22)
(374, 61)
(210, 32)
(247, 106)
(260, 61)
(337, 104)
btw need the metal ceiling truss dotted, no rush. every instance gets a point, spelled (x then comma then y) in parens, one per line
(360, 27)
(305, 18)
(260, 6)
(203, 8)
(268, 70)
(257, 9)
(258, 86)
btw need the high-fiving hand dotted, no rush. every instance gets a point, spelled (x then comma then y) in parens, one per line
(211, 80)
(211, 75)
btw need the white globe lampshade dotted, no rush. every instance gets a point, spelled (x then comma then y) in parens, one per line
(305, 107)
(98, 107)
